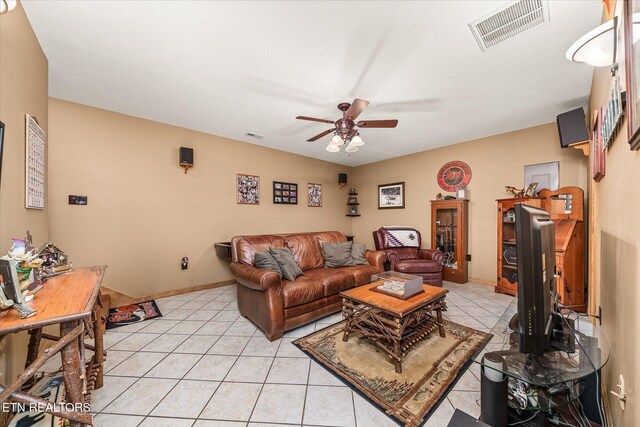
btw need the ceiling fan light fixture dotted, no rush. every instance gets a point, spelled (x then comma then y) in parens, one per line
(337, 140)
(356, 141)
(351, 149)
(332, 148)
(7, 5)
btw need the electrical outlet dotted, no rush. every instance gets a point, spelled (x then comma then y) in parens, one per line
(184, 263)
(622, 395)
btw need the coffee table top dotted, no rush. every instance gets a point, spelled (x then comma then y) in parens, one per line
(364, 295)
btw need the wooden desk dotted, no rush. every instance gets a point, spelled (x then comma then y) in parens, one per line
(72, 301)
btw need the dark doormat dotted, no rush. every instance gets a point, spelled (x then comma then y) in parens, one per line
(429, 370)
(132, 313)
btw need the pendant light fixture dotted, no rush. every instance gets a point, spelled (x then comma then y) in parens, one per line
(7, 5)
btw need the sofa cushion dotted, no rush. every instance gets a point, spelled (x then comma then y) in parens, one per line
(306, 250)
(337, 254)
(266, 260)
(357, 253)
(301, 291)
(418, 266)
(287, 263)
(361, 273)
(333, 280)
(245, 247)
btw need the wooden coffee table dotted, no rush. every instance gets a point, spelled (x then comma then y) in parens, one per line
(392, 324)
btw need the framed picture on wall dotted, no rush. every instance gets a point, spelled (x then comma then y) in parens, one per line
(248, 189)
(391, 196)
(1, 146)
(547, 175)
(632, 70)
(314, 195)
(285, 193)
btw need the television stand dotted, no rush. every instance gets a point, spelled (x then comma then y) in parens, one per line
(543, 386)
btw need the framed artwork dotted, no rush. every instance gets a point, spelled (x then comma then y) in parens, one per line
(597, 149)
(10, 283)
(531, 190)
(391, 196)
(285, 193)
(248, 189)
(1, 146)
(546, 175)
(632, 70)
(35, 163)
(314, 195)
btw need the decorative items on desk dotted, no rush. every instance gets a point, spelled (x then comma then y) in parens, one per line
(54, 260)
(14, 291)
(24, 269)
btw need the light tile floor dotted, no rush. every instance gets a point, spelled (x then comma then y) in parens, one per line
(203, 365)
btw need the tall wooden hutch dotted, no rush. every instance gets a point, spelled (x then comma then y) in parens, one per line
(566, 209)
(507, 282)
(449, 234)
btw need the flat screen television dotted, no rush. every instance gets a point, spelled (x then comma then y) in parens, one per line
(535, 249)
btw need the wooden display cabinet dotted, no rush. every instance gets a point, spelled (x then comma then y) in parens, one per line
(449, 234)
(507, 282)
(565, 207)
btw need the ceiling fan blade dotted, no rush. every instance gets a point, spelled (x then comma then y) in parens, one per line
(313, 119)
(356, 108)
(320, 135)
(378, 124)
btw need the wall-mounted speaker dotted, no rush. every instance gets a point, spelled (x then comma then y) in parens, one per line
(186, 156)
(572, 127)
(342, 179)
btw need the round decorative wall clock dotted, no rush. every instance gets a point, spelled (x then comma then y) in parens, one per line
(454, 175)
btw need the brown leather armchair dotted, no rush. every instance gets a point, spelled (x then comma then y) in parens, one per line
(426, 263)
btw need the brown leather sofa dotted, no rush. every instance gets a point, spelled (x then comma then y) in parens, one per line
(426, 263)
(276, 305)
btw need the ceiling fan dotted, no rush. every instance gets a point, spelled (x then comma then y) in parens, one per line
(346, 130)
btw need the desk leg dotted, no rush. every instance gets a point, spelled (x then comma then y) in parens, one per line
(71, 367)
(98, 332)
(35, 336)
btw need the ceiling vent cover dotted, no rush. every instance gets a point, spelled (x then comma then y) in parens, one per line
(508, 21)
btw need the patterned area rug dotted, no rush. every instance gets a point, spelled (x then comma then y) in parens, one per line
(132, 313)
(429, 370)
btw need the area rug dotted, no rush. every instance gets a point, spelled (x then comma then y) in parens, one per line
(429, 370)
(132, 313)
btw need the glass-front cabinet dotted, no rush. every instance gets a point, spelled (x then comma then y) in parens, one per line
(449, 225)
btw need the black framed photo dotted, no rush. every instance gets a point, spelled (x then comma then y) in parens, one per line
(1, 147)
(285, 193)
(391, 196)
(632, 69)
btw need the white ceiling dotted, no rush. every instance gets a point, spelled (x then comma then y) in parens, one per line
(228, 68)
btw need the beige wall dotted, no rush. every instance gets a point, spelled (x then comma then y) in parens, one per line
(144, 214)
(23, 89)
(617, 236)
(495, 161)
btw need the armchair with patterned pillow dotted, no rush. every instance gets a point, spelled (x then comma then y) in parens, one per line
(402, 246)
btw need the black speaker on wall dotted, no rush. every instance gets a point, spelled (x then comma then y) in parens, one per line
(342, 179)
(572, 127)
(186, 156)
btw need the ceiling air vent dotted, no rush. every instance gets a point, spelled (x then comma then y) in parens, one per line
(508, 21)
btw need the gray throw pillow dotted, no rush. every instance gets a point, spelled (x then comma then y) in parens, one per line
(357, 252)
(264, 259)
(337, 254)
(288, 265)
